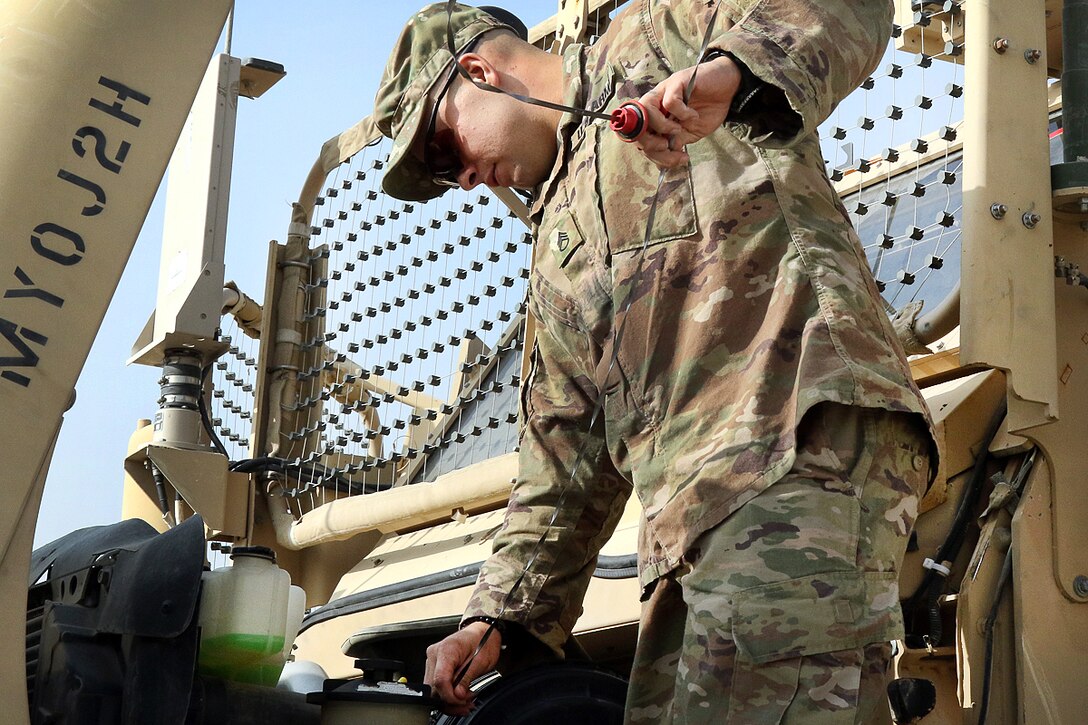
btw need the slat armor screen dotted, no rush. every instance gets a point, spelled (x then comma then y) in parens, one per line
(416, 313)
(893, 154)
(234, 379)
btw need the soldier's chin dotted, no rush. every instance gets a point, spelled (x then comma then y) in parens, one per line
(520, 183)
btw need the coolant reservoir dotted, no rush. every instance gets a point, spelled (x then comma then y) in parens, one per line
(249, 616)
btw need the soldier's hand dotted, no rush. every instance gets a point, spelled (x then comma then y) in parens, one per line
(445, 659)
(673, 124)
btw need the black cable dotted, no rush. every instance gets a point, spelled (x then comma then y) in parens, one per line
(952, 545)
(160, 489)
(991, 619)
(205, 419)
(932, 585)
(326, 478)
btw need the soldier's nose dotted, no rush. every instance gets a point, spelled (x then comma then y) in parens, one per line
(469, 178)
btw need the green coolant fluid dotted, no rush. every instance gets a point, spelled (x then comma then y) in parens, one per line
(251, 658)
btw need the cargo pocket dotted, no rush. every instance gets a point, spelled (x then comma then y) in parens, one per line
(776, 626)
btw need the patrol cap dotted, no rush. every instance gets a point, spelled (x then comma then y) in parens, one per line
(401, 107)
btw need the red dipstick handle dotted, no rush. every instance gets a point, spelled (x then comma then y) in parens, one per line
(629, 121)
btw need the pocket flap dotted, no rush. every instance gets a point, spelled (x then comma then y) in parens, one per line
(816, 614)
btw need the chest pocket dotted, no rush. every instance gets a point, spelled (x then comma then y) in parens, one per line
(628, 183)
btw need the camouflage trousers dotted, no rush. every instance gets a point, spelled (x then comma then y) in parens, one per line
(783, 613)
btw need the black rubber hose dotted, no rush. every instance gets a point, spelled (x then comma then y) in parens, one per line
(933, 612)
(312, 470)
(932, 585)
(205, 419)
(160, 489)
(951, 547)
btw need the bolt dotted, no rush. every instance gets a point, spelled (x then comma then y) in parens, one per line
(1080, 585)
(1001, 45)
(1032, 54)
(1031, 219)
(998, 210)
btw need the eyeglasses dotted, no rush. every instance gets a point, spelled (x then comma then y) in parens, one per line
(439, 147)
(440, 155)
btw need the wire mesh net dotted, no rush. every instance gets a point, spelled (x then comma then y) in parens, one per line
(893, 154)
(411, 365)
(234, 381)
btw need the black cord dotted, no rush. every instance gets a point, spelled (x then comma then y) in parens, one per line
(991, 619)
(932, 586)
(326, 478)
(160, 489)
(204, 417)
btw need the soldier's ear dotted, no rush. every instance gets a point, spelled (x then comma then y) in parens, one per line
(480, 69)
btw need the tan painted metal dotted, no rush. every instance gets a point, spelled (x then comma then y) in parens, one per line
(978, 589)
(191, 271)
(200, 475)
(1007, 286)
(1063, 441)
(263, 419)
(246, 311)
(477, 487)
(14, 575)
(611, 605)
(88, 125)
(287, 298)
(570, 23)
(1051, 632)
(941, 36)
(595, 12)
(960, 409)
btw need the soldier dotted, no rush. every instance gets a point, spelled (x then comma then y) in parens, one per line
(757, 402)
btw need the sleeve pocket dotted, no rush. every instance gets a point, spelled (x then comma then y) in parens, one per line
(816, 614)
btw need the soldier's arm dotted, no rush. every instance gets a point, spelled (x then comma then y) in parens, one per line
(810, 55)
(557, 403)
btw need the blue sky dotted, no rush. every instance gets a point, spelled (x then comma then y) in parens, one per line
(334, 52)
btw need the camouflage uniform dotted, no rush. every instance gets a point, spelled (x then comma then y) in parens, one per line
(783, 612)
(755, 353)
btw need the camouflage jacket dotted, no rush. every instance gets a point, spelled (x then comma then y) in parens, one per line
(754, 302)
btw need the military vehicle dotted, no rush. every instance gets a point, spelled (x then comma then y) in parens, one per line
(357, 428)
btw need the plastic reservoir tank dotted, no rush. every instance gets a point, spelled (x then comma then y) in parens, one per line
(249, 617)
